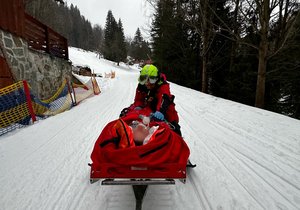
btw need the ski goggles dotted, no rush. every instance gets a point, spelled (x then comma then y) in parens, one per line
(144, 78)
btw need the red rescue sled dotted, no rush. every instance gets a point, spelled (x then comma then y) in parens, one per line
(165, 157)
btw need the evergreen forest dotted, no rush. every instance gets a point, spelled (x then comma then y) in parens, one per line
(247, 51)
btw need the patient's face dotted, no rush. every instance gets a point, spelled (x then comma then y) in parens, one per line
(139, 133)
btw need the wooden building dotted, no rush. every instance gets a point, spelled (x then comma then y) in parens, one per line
(14, 20)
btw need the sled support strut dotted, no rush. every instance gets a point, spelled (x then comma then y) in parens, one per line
(139, 192)
(139, 186)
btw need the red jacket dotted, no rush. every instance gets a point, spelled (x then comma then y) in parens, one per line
(157, 99)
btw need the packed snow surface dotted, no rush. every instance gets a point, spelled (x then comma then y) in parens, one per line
(247, 158)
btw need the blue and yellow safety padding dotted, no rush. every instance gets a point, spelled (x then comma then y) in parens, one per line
(19, 106)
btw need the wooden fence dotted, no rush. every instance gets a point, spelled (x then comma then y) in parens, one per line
(43, 38)
(14, 19)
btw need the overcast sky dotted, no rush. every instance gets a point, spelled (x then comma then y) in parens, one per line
(133, 13)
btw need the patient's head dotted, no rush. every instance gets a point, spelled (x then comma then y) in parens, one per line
(140, 131)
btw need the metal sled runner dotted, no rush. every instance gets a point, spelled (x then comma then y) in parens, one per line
(140, 185)
(129, 176)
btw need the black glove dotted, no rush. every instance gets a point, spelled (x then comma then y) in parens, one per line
(176, 127)
(124, 112)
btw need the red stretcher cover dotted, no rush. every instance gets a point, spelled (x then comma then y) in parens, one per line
(165, 156)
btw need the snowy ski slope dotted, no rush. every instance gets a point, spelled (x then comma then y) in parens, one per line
(246, 158)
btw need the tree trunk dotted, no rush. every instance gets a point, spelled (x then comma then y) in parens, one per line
(261, 76)
(262, 54)
(235, 34)
(204, 74)
(205, 40)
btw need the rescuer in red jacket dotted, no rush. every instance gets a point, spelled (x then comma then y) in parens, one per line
(153, 91)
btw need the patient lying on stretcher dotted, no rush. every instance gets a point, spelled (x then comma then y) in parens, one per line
(141, 133)
(134, 134)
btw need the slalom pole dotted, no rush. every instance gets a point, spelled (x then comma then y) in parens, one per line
(70, 91)
(28, 99)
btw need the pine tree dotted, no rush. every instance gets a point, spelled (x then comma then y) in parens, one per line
(140, 48)
(137, 45)
(119, 42)
(109, 37)
(175, 46)
(98, 37)
(114, 39)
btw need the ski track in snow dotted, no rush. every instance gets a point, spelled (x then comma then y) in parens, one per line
(282, 171)
(212, 150)
(242, 161)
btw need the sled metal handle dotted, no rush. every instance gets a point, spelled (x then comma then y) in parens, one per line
(138, 182)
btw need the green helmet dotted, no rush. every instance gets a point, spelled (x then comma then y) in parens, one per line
(148, 72)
